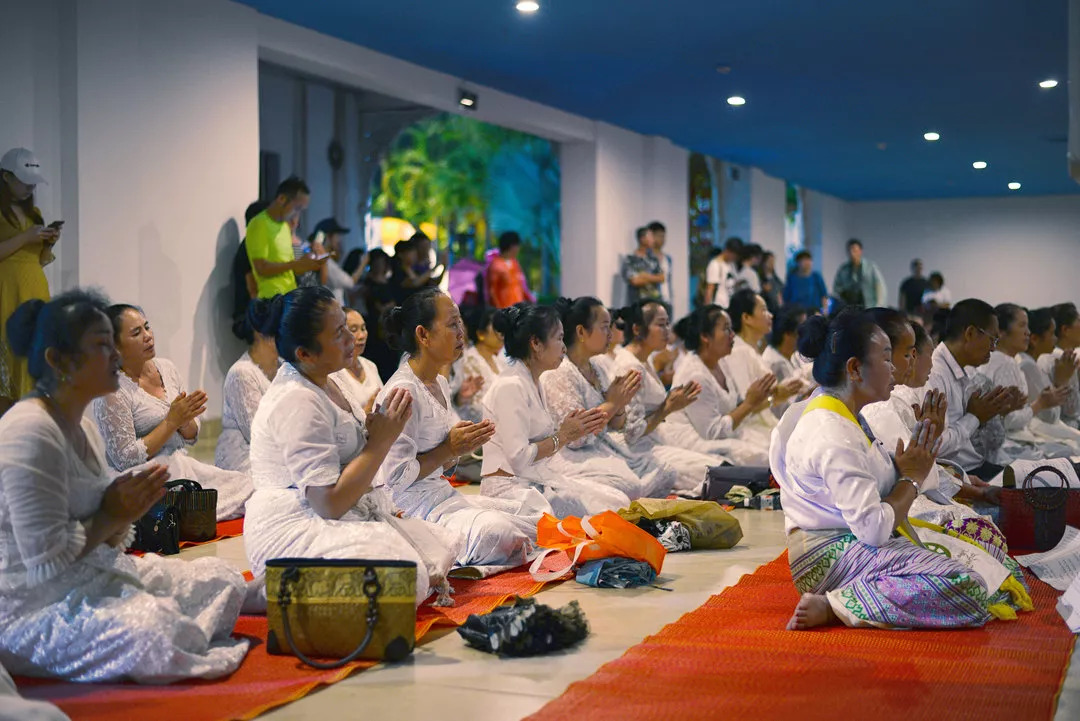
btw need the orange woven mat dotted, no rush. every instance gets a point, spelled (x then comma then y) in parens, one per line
(732, 659)
(263, 681)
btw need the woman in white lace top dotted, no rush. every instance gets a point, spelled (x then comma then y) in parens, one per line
(678, 445)
(498, 532)
(73, 605)
(245, 384)
(152, 416)
(361, 375)
(526, 450)
(719, 414)
(579, 384)
(315, 455)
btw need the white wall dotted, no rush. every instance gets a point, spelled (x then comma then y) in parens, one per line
(768, 199)
(667, 199)
(1021, 250)
(826, 219)
(167, 161)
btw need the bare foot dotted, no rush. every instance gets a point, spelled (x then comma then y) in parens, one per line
(813, 610)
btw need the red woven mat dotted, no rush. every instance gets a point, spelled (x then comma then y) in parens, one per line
(263, 681)
(732, 659)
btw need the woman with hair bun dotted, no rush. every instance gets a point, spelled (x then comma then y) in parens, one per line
(152, 417)
(606, 360)
(315, 456)
(525, 450)
(245, 384)
(73, 605)
(361, 375)
(677, 444)
(719, 417)
(498, 532)
(580, 384)
(846, 498)
(483, 358)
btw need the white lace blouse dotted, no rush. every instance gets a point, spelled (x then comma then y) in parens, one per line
(129, 414)
(245, 385)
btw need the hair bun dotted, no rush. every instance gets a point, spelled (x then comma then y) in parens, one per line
(506, 319)
(264, 315)
(22, 325)
(812, 334)
(563, 305)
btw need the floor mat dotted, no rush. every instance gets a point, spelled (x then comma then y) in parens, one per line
(263, 681)
(731, 658)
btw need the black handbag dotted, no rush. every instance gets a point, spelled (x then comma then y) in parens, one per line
(158, 531)
(197, 507)
(720, 479)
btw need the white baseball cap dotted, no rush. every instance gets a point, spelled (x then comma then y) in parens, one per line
(23, 165)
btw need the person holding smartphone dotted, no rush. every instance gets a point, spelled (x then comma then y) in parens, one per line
(25, 247)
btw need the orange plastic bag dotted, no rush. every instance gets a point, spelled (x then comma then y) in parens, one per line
(604, 535)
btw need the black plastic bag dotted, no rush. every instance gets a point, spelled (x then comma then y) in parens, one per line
(527, 628)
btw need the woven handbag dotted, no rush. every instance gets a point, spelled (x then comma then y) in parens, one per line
(197, 507)
(344, 609)
(1034, 518)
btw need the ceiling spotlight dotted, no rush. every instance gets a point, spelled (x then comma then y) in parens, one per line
(1047, 84)
(1014, 186)
(467, 99)
(931, 136)
(979, 165)
(527, 6)
(736, 100)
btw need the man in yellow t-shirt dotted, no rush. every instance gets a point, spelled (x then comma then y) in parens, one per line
(269, 241)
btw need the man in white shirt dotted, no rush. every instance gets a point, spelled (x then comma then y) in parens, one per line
(721, 272)
(749, 259)
(971, 333)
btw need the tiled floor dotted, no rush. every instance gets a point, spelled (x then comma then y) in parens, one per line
(447, 681)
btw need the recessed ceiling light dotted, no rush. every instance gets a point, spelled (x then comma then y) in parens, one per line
(1014, 186)
(979, 165)
(1047, 84)
(527, 6)
(931, 136)
(736, 100)
(467, 99)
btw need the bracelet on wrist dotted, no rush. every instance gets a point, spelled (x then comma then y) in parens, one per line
(555, 441)
(910, 480)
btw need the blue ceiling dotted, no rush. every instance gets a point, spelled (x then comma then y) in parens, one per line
(826, 82)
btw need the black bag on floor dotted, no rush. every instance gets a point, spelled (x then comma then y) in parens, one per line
(158, 531)
(720, 479)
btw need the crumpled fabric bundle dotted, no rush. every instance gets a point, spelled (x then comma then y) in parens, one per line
(617, 573)
(673, 535)
(527, 628)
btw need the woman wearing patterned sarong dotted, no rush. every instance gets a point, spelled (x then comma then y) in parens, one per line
(845, 504)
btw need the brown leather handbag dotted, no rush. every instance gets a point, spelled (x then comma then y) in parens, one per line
(197, 507)
(340, 608)
(1034, 519)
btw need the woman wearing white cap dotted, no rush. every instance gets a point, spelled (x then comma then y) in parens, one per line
(25, 246)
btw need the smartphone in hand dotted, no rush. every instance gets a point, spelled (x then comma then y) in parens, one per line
(56, 224)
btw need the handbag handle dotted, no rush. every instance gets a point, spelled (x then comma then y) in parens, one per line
(1056, 500)
(185, 484)
(372, 589)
